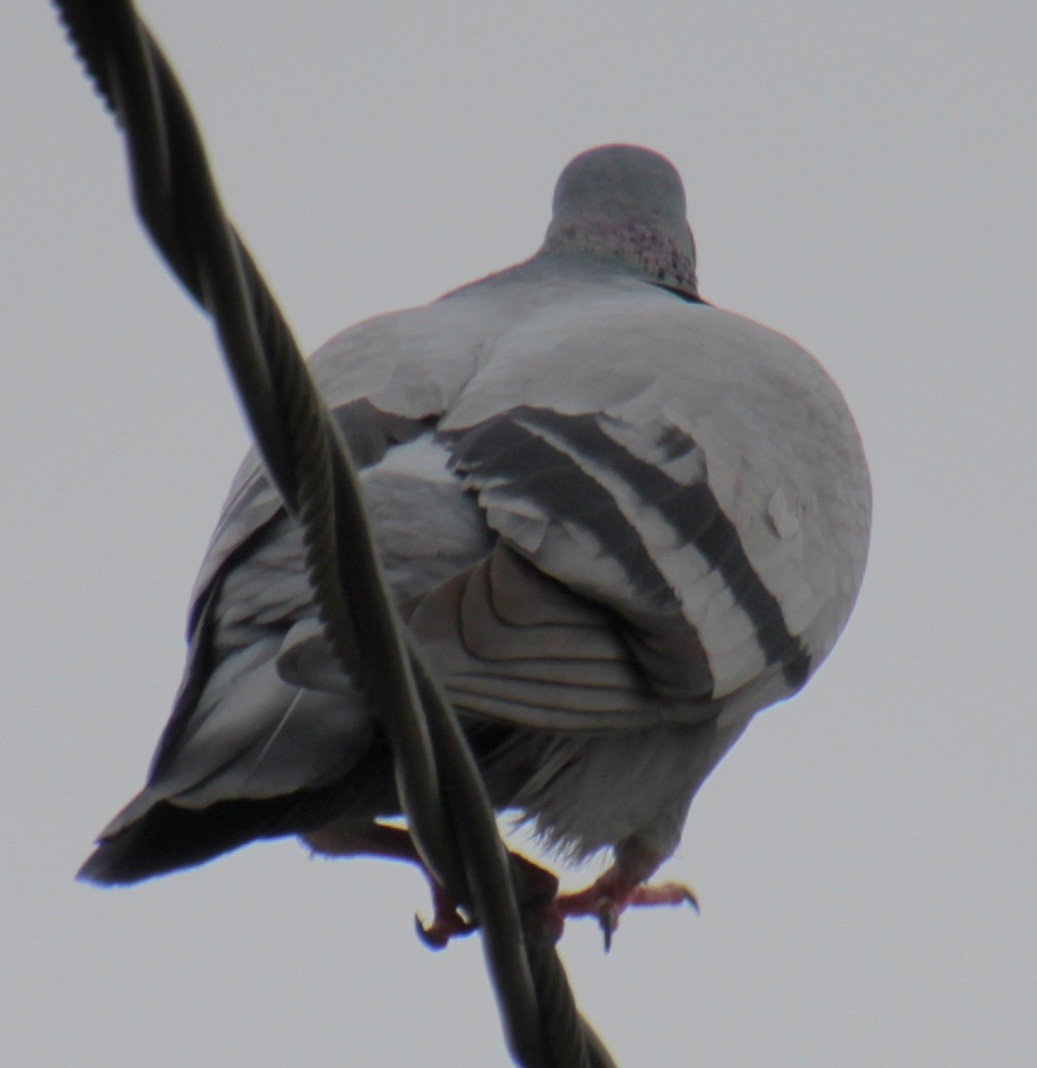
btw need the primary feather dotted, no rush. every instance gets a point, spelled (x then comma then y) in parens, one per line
(619, 521)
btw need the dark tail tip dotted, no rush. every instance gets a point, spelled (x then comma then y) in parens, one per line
(166, 838)
(105, 867)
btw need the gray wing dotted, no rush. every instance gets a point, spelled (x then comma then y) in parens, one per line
(241, 730)
(385, 380)
(695, 479)
(238, 729)
(253, 502)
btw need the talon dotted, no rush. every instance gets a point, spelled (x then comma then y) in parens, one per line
(432, 938)
(608, 919)
(438, 933)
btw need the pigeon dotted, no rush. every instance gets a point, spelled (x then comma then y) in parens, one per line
(617, 520)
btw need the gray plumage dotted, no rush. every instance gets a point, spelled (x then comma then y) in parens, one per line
(619, 521)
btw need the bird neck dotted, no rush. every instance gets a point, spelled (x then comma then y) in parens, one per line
(641, 246)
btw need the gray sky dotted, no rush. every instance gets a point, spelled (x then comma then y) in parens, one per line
(859, 177)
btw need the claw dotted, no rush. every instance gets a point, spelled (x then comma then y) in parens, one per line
(609, 922)
(427, 935)
(438, 933)
(447, 921)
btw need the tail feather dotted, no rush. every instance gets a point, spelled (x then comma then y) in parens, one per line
(165, 836)
(169, 837)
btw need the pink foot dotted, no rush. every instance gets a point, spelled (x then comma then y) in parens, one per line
(609, 896)
(394, 843)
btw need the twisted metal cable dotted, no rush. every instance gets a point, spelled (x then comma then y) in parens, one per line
(448, 812)
(178, 203)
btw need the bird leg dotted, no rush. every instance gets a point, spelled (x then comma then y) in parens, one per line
(623, 886)
(394, 843)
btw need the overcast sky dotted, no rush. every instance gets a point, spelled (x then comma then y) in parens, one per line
(859, 176)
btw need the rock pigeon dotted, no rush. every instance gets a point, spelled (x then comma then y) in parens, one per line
(618, 520)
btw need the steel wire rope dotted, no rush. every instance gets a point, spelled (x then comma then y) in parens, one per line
(442, 794)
